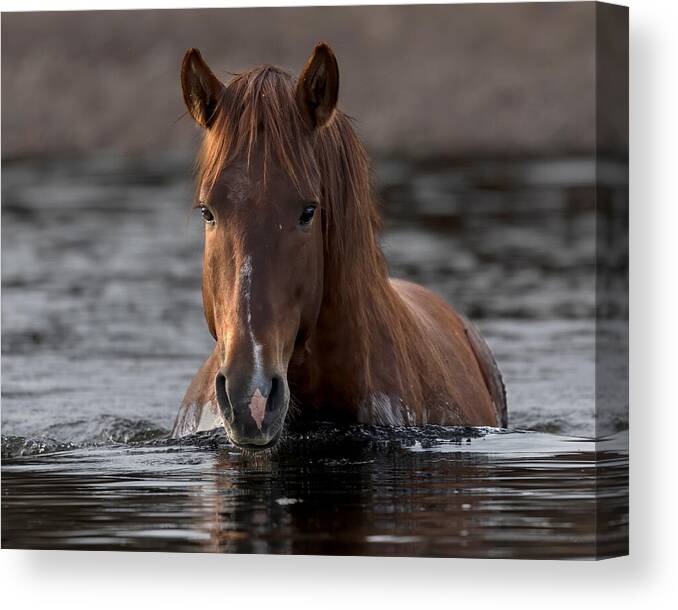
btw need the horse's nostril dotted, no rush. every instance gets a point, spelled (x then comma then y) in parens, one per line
(222, 397)
(273, 394)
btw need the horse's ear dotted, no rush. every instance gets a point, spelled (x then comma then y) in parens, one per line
(202, 90)
(318, 87)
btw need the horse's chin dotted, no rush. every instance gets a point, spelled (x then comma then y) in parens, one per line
(255, 447)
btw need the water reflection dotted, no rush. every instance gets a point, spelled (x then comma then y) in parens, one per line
(494, 496)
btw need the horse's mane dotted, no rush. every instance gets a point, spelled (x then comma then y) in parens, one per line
(258, 110)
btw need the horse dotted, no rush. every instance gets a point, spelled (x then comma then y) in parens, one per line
(308, 325)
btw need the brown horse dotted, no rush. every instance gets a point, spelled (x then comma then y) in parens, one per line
(295, 288)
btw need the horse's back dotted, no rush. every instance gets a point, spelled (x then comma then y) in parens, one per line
(470, 368)
(490, 370)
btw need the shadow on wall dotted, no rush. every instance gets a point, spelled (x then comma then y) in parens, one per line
(469, 80)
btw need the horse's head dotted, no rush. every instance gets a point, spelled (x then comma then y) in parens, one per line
(260, 196)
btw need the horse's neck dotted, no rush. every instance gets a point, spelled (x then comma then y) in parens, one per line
(356, 338)
(357, 307)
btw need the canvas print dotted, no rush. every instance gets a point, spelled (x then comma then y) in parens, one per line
(329, 281)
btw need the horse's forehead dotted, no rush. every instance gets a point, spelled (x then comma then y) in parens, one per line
(239, 183)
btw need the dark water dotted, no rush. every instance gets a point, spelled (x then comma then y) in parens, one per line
(102, 330)
(370, 493)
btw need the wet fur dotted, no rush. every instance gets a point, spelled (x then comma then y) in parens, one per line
(373, 336)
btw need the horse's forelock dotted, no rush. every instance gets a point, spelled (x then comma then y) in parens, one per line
(258, 112)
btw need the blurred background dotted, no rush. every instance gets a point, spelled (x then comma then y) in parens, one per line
(493, 147)
(465, 80)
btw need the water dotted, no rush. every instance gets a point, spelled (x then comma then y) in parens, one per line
(499, 495)
(102, 329)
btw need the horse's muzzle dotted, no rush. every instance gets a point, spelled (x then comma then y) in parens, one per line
(253, 410)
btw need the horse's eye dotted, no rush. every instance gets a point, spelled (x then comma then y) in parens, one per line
(307, 215)
(206, 215)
